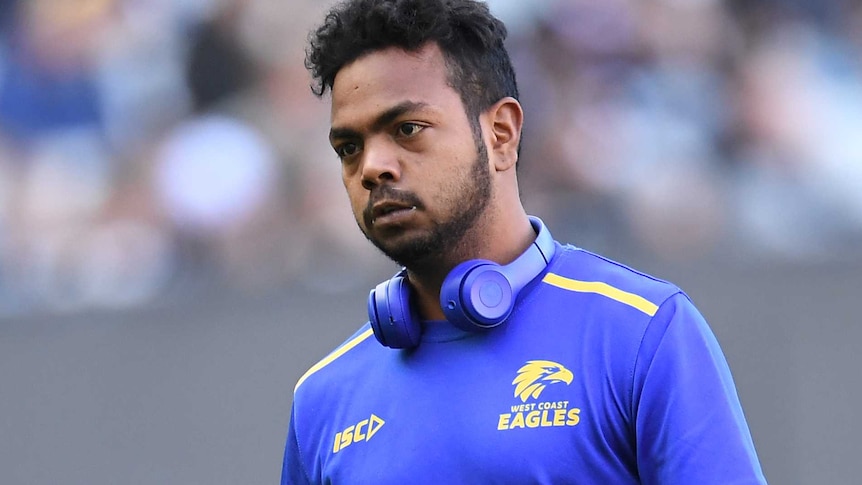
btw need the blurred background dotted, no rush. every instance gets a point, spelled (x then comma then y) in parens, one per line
(176, 247)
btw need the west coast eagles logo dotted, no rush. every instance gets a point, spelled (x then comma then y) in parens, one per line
(533, 377)
(536, 375)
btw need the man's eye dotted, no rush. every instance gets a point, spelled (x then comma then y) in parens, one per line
(409, 129)
(346, 150)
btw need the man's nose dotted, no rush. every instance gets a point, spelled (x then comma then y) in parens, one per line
(380, 164)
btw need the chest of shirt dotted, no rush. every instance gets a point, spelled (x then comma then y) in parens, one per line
(497, 407)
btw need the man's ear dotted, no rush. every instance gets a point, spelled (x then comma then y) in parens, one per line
(506, 117)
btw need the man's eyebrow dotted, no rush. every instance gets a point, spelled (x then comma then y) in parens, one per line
(381, 121)
(342, 133)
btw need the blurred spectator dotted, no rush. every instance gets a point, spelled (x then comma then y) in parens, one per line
(47, 79)
(213, 174)
(801, 109)
(218, 67)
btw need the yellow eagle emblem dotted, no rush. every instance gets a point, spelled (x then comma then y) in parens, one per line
(535, 375)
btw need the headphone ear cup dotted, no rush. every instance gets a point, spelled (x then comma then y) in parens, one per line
(392, 319)
(477, 295)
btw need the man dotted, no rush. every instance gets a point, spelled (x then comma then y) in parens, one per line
(506, 357)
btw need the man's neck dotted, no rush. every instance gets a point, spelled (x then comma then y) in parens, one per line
(503, 243)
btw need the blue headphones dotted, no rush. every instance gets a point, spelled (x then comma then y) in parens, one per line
(476, 295)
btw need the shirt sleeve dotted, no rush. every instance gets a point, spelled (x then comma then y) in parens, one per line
(292, 470)
(689, 423)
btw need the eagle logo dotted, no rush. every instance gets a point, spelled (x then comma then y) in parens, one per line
(535, 375)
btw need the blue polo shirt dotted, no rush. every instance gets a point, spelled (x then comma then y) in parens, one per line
(602, 375)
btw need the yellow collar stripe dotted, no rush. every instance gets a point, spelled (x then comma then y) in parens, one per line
(604, 289)
(334, 355)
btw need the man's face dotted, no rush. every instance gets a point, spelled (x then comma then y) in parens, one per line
(417, 177)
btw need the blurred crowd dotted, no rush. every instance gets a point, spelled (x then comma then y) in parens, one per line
(149, 147)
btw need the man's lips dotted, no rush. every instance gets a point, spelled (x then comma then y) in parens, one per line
(389, 205)
(384, 209)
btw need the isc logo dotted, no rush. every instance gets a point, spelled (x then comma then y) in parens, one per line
(361, 431)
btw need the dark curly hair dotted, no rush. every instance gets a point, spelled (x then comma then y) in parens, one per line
(470, 37)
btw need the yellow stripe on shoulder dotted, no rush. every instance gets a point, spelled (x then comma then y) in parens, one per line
(334, 355)
(604, 289)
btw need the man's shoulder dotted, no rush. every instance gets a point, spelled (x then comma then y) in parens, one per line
(584, 272)
(338, 364)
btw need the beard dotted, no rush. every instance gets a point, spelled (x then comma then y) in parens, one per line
(470, 197)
